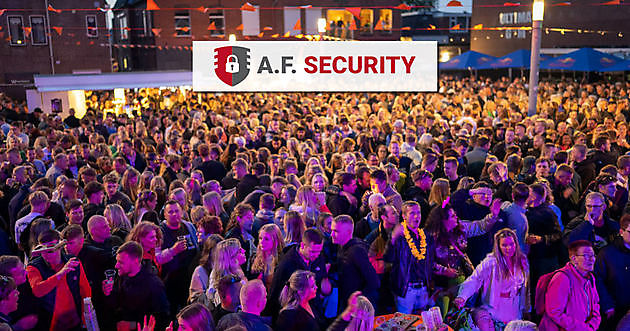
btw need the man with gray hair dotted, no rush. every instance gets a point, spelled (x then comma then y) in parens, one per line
(520, 325)
(593, 225)
(370, 222)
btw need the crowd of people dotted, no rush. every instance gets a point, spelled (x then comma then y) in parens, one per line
(319, 211)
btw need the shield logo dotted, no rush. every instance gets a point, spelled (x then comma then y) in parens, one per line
(231, 64)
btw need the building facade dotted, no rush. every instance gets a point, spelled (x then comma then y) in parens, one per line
(566, 26)
(51, 36)
(162, 39)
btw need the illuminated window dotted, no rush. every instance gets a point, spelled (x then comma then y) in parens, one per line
(217, 17)
(182, 24)
(366, 21)
(251, 21)
(339, 21)
(38, 30)
(385, 16)
(16, 30)
(91, 26)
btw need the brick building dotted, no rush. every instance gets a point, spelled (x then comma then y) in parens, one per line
(162, 39)
(37, 40)
(580, 16)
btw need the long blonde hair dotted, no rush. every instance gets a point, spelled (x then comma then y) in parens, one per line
(224, 262)
(116, 217)
(260, 264)
(212, 202)
(519, 259)
(292, 292)
(363, 319)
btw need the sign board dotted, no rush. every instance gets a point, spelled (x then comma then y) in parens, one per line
(334, 66)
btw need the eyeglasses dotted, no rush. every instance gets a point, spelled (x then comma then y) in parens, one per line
(595, 206)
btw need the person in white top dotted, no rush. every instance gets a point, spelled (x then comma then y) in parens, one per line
(39, 202)
(502, 276)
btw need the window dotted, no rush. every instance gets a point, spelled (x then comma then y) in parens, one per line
(146, 23)
(366, 21)
(38, 30)
(182, 24)
(339, 21)
(291, 16)
(16, 30)
(311, 16)
(251, 22)
(91, 26)
(123, 26)
(216, 17)
(385, 16)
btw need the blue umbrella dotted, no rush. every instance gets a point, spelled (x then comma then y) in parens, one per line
(468, 60)
(516, 59)
(621, 66)
(584, 59)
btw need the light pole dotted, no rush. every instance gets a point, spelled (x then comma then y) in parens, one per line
(538, 11)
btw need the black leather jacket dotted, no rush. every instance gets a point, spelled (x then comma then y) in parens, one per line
(399, 254)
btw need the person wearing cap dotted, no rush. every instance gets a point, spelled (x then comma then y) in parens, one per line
(419, 192)
(59, 282)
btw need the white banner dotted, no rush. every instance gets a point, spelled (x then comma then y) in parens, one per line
(301, 66)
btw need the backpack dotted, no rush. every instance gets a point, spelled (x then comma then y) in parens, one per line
(541, 291)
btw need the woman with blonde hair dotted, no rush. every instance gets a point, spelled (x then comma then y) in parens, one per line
(503, 277)
(212, 202)
(363, 317)
(129, 183)
(117, 220)
(149, 236)
(268, 251)
(201, 275)
(228, 258)
(307, 204)
(440, 190)
(296, 313)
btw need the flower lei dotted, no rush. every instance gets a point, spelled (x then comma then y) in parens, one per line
(420, 255)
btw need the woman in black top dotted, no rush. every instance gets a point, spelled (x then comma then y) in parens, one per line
(296, 313)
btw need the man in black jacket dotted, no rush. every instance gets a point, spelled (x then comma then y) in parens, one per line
(211, 169)
(306, 256)
(411, 275)
(611, 273)
(355, 271)
(593, 226)
(341, 199)
(137, 291)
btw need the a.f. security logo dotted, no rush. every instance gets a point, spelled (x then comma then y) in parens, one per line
(231, 64)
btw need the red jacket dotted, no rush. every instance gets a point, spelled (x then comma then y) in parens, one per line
(571, 302)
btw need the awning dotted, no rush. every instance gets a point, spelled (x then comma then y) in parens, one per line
(109, 81)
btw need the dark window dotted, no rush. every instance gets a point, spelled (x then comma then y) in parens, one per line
(91, 26)
(218, 19)
(38, 30)
(16, 30)
(182, 24)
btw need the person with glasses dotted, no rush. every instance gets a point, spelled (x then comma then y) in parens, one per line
(611, 273)
(228, 289)
(594, 225)
(571, 299)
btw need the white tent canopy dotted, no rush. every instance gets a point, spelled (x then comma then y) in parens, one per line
(109, 81)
